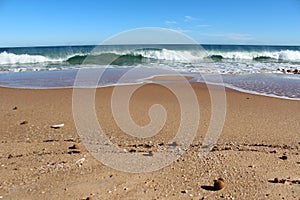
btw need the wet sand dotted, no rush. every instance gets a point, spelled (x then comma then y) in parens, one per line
(260, 141)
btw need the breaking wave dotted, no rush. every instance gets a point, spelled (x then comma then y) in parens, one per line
(150, 55)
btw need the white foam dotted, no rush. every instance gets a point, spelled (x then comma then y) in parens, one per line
(11, 58)
(170, 55)
(287, 55)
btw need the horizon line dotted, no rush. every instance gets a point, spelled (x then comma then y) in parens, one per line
(77, 45)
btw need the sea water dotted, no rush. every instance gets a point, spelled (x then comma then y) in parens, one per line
(247, 68)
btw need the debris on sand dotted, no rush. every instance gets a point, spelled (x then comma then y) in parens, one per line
(57, 126)
(284, 157)
(24, 122)
(74, 146)
(80, 162)
(219, 184)
(276, 180)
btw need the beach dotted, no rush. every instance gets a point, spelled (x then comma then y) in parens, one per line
(260, 141)
(150, 100)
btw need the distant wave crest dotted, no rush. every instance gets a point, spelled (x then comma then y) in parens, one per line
(150, 55)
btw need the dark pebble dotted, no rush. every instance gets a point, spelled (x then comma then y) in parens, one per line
(284, 157)
(75, 146)
(24, 122)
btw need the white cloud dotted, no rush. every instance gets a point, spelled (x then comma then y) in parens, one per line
(188, 18)
(170, 22)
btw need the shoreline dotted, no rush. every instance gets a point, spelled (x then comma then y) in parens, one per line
(283, 86)
(227, 88)
(37, 161)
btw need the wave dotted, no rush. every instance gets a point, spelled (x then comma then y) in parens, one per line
(283, 55)
(109, 58)
(149, 55)
(11, 58)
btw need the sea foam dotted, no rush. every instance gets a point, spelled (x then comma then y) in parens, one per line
(11, 58)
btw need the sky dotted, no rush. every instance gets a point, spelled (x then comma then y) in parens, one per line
(77, 22)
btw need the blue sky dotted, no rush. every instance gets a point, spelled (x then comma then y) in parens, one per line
(66, 22)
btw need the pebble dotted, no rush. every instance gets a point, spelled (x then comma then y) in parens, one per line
(284, 157)
(219, 184)
(184, 191)
(74, 146)
(276, 180)
(15, 108)
(24, 122)
(132, 151)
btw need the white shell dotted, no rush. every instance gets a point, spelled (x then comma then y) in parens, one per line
(57, 125)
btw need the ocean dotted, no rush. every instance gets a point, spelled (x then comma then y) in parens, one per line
(248, 68)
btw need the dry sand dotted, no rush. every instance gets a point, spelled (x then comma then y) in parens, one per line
(260, 141)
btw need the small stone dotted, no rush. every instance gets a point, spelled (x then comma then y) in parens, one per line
(296, 181)
(162, 144)
(173, 144)
(74, 146)
(184, 191)
(132, 151)
(276, 180)
(284, 157)
(219, 184)
(24, 122)
(15, 108)
(282, 181)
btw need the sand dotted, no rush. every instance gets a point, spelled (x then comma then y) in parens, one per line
(260, 141)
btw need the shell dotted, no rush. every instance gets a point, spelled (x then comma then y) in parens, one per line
(55, 126)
